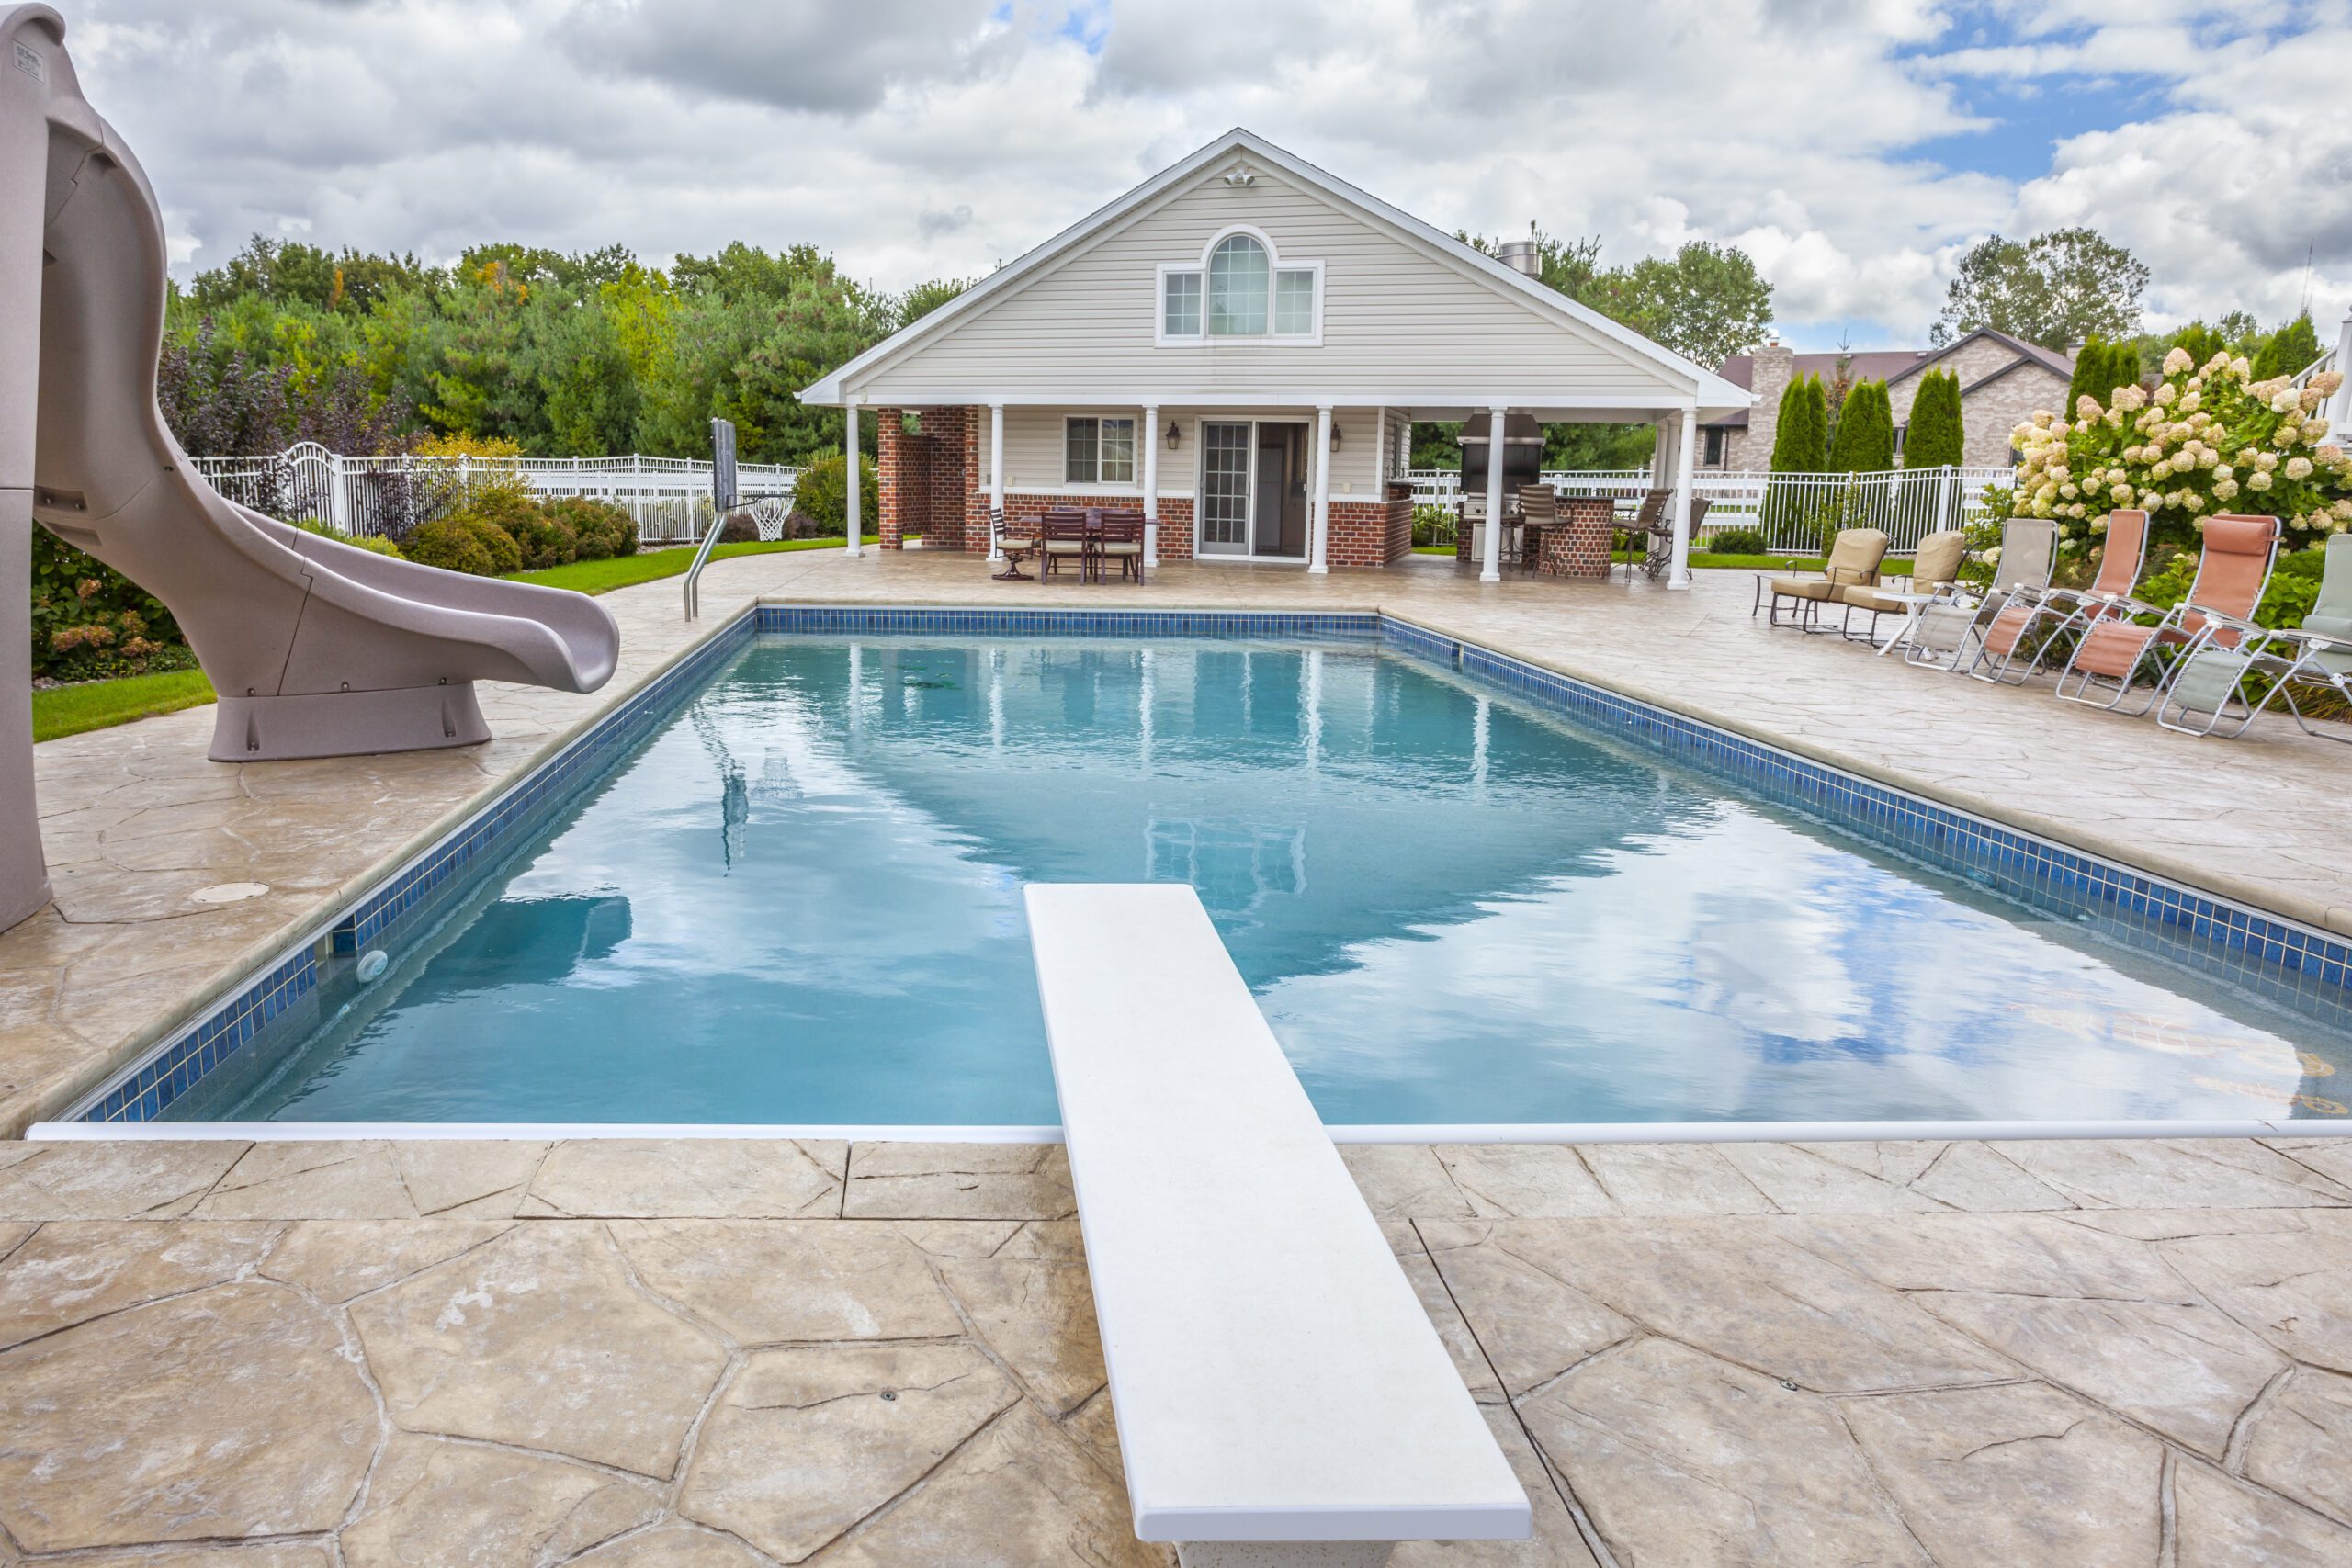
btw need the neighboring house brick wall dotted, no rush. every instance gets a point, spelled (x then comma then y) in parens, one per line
(1990, 413)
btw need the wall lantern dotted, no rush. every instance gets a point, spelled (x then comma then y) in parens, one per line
(1335, 437)
(1171, 435)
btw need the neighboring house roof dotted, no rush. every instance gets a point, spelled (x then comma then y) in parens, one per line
(1893, 364)
(1712, 392)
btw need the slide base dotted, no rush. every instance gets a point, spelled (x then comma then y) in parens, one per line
(348, 724)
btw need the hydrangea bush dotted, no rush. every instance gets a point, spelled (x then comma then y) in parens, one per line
(2208, 439)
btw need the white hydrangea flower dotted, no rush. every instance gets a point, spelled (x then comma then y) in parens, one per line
(2241, 367)
(2266, 461)
(2326, 382)
(2258, 480)
(2167, 393)
(2069, 490)
(2224, 488)
(2121, 494)
(2177, 361)
(2087, 407)
(2299, 467)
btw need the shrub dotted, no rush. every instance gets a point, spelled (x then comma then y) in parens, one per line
(1433, 525)
(491, 475)
(602, 529)
(371, 543)
(1738, 542)
(449, 543)
(740, 528)
(823, 493)
(545, 541)
(89, 621)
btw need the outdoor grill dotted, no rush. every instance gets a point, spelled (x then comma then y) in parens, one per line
(1522, 462)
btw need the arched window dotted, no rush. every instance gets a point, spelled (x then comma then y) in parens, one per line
(1241, 279)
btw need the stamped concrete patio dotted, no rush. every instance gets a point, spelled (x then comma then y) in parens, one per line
(728, 1353)
(724, 1353)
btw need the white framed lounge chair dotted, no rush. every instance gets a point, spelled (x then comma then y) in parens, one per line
(2210, 688)
(1942, 638)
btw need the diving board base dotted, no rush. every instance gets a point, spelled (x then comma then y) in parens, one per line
(1284, 1553)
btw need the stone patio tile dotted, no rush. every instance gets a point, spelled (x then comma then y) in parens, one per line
(2180, 1225)
(1895, 1161)
(1679, 1458)
(959, 1181)
(1038, 1316)
(230, 1412)
(2038, 1255)
(314, 1553)
(651, 1179)
(1799, 1181)
(2188, 1372)
(2200, 1173)
(1553, 1544)
(1060, 1241)
(77, 1270)
(1531, 1325)
(338, 1259)
(2300, 1443)
(961, 1238)
(1736, 1290)
(1469, 1361)
(1404, 1181)
(327, 1180)
(862, 1423)
(2293, 1288)
(1977, 1178)
(538, 1339)
(2219, 1524)
(467, 1177)
(2019, 1473)
(673, 1546)
(108, 1179)
(433, 1501)
(1019, 1496)
(763, 1281)
(2331, 1157)
(1095, 1427)
(1673, 1178)
(1524, 1180)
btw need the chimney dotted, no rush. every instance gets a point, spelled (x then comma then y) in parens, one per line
(1770, 370)
(1521, 256)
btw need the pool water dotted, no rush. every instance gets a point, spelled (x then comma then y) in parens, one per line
(799, 902)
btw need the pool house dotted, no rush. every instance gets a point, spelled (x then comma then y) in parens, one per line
(1238, 348)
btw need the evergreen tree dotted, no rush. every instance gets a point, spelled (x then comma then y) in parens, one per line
(1811, 453)
(1865, 438)
(2090, 374)
(1936, 436)
(1788, 428)
(2288, 350)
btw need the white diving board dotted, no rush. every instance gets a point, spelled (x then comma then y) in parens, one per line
(1275, 1377)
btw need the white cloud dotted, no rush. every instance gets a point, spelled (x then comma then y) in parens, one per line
(928, 137)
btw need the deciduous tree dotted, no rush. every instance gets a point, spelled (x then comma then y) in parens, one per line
(2055, 290)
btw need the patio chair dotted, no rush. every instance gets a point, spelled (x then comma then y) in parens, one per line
(2233, 569)
(1064, 540)
(1853, 562)
(1935, 569)
(1539, 509)
(2213, 678)
(1121, 540)
(2030, 628)
(2029, 554)
(1659, 555)
(1646, 516)
(1016, 541)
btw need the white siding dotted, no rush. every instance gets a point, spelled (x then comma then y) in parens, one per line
(1033, 448)
(1398, 323)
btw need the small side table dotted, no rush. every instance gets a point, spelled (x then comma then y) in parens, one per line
(1914, 604)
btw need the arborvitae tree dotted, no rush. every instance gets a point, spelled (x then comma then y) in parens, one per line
(2288, 350)
(2202, 341)
(1788, 430)
(1935, 438)
(1810, 455)
(2089, 379)
(1865, 439)
(2122, 369)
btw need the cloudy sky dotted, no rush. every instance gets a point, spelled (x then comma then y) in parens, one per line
(1853, 147)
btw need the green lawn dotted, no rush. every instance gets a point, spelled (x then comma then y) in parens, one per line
(97, 705)
(651, 566)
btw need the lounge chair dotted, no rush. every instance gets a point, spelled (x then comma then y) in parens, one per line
(2030, 628)
(1935, 569)
(1121, 541)
(2212, 680)
(1064, 542)
(2233, 570)
(1853, 562)
(2029, 555)
(1016, 540)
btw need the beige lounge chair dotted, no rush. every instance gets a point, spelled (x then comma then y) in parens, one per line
(1853, 562)
(1935, 567)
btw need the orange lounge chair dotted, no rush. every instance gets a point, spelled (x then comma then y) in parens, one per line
(2010, 653)
(2233, 570)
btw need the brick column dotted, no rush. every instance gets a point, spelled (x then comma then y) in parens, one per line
(898, 473)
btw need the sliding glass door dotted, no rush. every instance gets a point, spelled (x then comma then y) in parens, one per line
(1225, 488)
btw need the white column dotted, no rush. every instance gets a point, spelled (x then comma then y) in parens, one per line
(1679, 576)
(856, 522)
(1491, 565)
(1319, 553)
(996, 475)
(2338, 408)
(1150, 435)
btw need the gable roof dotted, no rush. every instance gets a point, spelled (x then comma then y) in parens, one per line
(2049, 358)
(1863, 365)
(1710, 389)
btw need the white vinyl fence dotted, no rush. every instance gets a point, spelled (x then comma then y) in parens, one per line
(669, 497)
(1791, 511)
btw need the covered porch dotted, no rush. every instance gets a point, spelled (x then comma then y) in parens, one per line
(1307, 485)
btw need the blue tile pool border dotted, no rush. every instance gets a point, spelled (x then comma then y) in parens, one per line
(2260, 951)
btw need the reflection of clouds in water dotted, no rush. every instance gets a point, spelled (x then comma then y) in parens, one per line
(1742, 968)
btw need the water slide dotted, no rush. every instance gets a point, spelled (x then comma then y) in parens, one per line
(317, 649)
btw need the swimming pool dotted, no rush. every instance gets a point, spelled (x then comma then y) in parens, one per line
(796, 900)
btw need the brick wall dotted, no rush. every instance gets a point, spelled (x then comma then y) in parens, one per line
(1175, 515)
(1371, 533)
(928, 480)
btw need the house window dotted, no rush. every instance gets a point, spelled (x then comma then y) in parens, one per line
(1716, 435)
(1182, 309)
(1099, 451)
(1240, 289)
